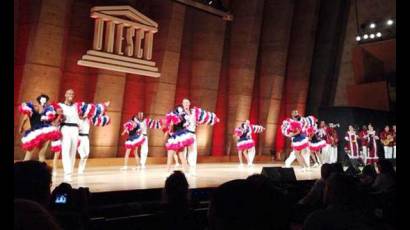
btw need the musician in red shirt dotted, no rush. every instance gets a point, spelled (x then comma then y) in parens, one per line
(332, 140)
(364, 142)
(372, 157)
(386, 137)
(394, 141)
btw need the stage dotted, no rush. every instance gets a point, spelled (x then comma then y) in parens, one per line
(107, 178)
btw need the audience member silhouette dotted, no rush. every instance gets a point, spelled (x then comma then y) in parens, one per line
(342, 210)
(248, 204)
(315, 196)
(337, 168)
(176, 213)
(31, 215)
(386, 179)
(32, 181)
(368, 176)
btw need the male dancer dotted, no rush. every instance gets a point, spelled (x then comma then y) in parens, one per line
(195, 117)
(71, 112)
(84, 132)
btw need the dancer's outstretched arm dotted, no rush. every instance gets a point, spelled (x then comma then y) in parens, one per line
(154, 123)
(257, 128)
(204, 117)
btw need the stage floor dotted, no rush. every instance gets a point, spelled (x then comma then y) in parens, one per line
(111, 178)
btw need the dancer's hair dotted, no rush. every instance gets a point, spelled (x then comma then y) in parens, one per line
(41, 96)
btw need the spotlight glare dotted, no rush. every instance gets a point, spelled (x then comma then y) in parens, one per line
(371, 36)
(390, 22)
(358, 38)
(365, 36)
(379, 34)
(210, 2)
(372, 25)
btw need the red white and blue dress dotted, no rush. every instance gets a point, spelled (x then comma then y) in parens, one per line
(244, 132)
(41, 129)
(300, 141)
(316, 143)
(179, 137)
(135, 138)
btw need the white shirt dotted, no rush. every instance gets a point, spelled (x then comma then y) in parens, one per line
(70, 113)
(143, 126)
(84, 125)
(191, 121)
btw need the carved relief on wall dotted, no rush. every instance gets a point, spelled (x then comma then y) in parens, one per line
(123, 41)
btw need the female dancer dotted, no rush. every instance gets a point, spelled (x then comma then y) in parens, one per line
(245, 143)
(40, 117)
(145, 124)
(316, 144)
(293, 128)
(179, 138)
(135, 139)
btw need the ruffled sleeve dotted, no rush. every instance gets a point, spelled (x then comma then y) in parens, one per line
(172, 117)
(49, 113)
(101, 120)
(204, 117)
(128, 126)
(257, 128)
(90, 110)
(154, 124)
(311, 121)
(285, 128)
(238, 132)
(26, 108)
(311, 131)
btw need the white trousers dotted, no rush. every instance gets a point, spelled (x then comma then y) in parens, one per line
(394, 152)
(251, 155)
(84, 148)
(388, 152)
(326, 154)
(291, 158)
(144, 152)
(333, 154)
(84, 151)
(306, 156)
(192, 153)
(365, 152)
(69, 144)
